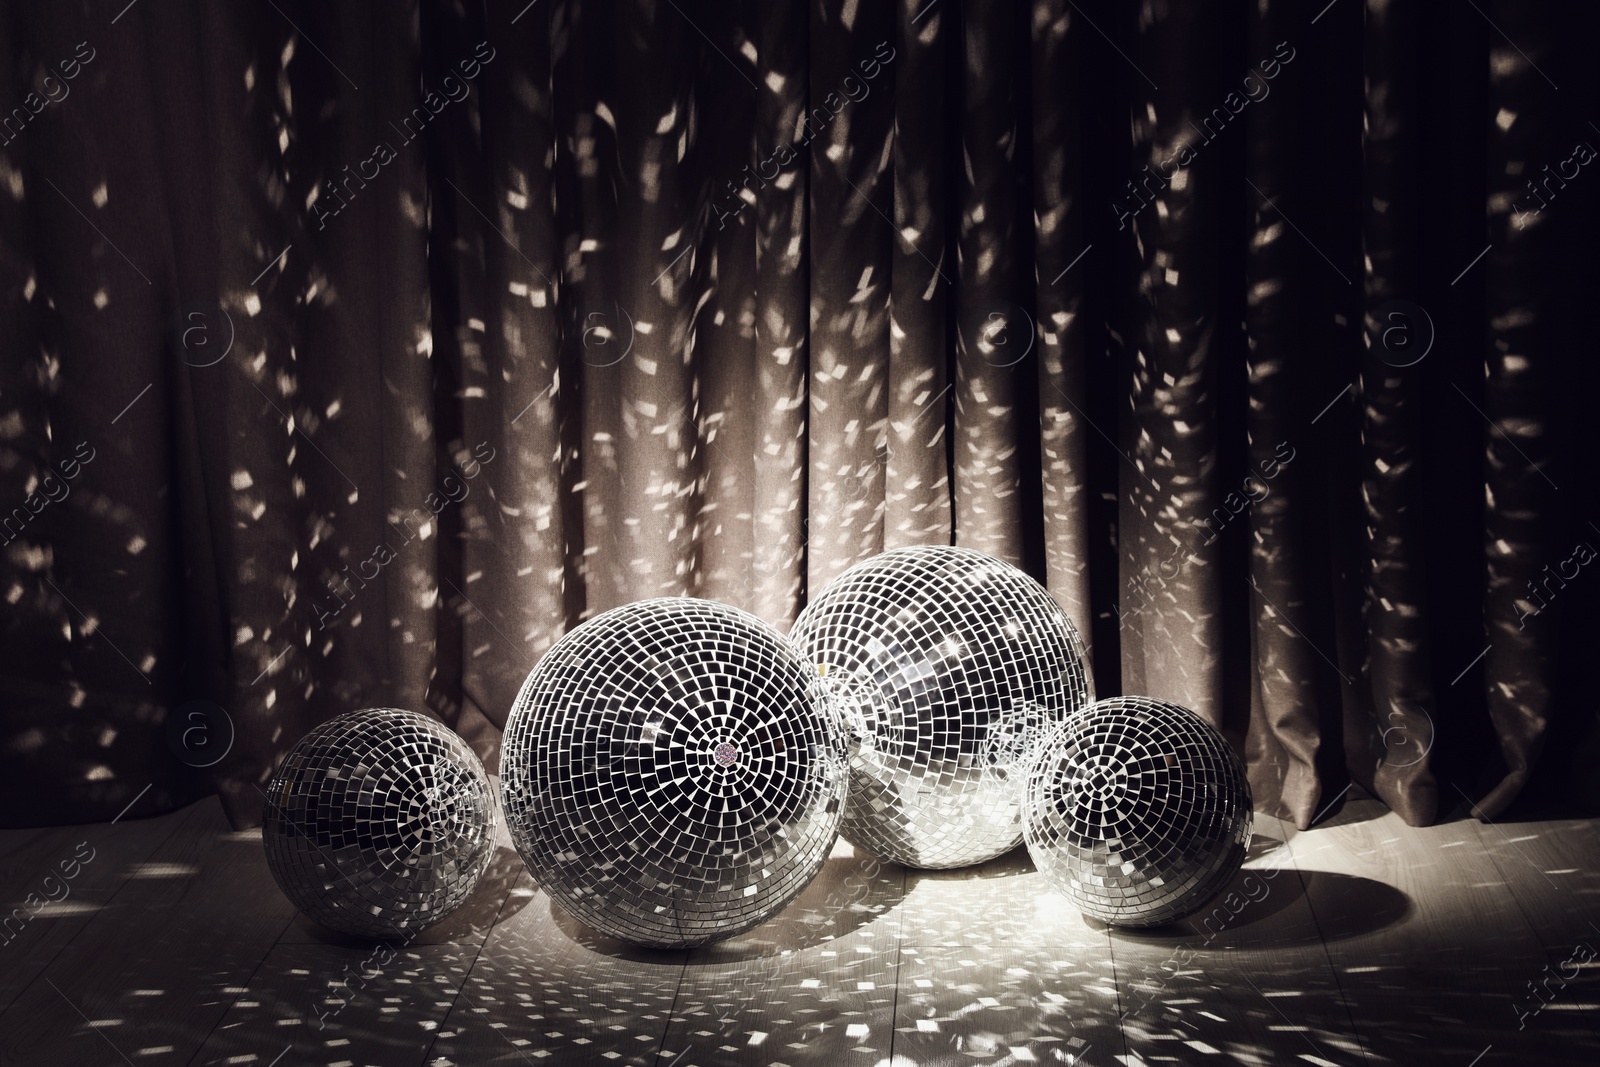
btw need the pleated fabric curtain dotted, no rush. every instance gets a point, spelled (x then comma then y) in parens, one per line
(405, 337)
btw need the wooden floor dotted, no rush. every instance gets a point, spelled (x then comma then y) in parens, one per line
(1360, 942)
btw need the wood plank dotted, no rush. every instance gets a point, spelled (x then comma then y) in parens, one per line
(324, 1003)
(1247, 976)
(1435, 983)
(100, 857)
(815, 984)
(1553, 871)
(1375, 942)
(999, 964)
(150, 973)
(24, 854)
(320, 996)
(1016, 1003)
(544, 989)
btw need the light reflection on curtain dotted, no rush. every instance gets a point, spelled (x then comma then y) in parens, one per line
(529, 312)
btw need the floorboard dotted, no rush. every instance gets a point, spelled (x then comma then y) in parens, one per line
(1371, 942)
(816, 984)
(1246, 978)
(1434, 984)
(318, 996)
(1553, 872)
(152, 970)
(545, 990)
(98, 857)
(315, 1004)
(997, 964)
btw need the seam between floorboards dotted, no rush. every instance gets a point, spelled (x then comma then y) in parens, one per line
(1327, 954)
(467, 974)
(899, 958)
(1527, 920)
(243, 991)
(40, 973)
(672, 1011)
(1122, 1030)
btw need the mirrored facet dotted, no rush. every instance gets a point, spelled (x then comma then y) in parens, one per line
(1138, 810)
(673, 772)
(948, 664)
(379, 822)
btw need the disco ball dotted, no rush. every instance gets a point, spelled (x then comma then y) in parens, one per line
(1137, 810)
(947, 664)
(672, 772)
(379, 822)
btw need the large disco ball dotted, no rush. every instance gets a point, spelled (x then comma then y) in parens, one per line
(672, 772)
(1138, 810)
(379, 822)
(947, 664)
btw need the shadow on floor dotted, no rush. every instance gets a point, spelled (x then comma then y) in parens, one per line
(849, 893)
(491, 901)
(1006, 865)
(1253, 912)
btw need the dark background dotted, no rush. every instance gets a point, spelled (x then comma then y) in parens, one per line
(927, 328)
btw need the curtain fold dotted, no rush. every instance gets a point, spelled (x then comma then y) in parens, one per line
(355, 353)
(1287, 575)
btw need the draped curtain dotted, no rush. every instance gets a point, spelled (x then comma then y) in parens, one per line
(354, 352)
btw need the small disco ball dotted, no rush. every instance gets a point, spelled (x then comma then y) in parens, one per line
(948, 665)
(1138, 810)
(379, 823)
(673, 773)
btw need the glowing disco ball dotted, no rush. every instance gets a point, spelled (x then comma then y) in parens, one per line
(672, 772)
(948, 664)
(379, 822)
(1138, 810)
